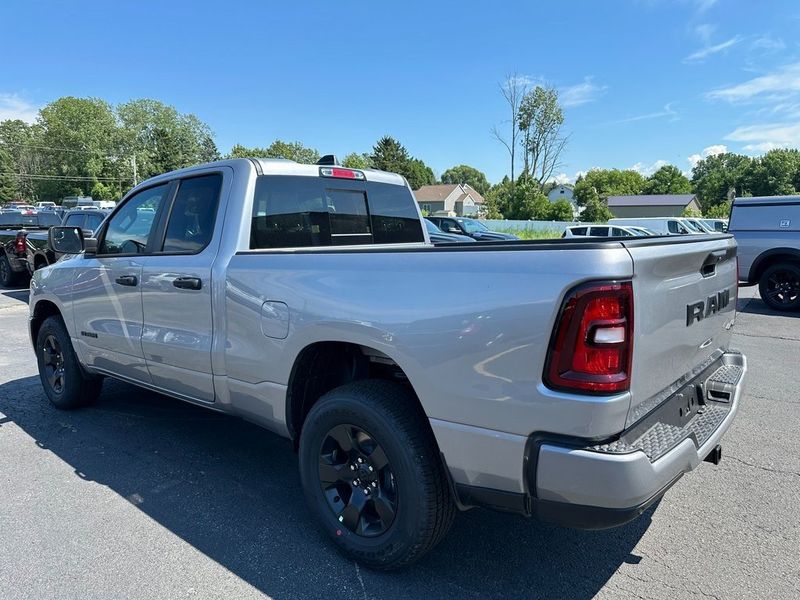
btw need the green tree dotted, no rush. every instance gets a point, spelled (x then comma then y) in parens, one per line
(8, 180)
(161, 138)
(22, 142)
(390, 155)
(540, 120)
(667, 180)
(467, 175)
(418, 174)
(357, 161)
(718, 178)
(599, 184)
(490, 208)
(295, 151)
(596, 211)
(561, 210)
(523, 200)
(81, 144)
(691, 213)
(719, 211)
(775, 173)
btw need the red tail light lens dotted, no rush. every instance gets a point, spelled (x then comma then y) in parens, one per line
(19, 243)
(341, 173)
(591, 348)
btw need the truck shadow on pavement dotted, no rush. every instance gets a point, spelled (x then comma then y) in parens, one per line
(231, 490)
(21, 294)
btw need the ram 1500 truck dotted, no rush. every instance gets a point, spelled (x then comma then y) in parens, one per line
(23, 237)
(574, 380)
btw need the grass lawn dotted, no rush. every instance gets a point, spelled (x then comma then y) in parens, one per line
(526, 234)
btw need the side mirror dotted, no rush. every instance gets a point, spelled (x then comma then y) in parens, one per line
(65, 240)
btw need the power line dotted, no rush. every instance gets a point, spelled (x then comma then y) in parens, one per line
(74, 150)
(64, 177)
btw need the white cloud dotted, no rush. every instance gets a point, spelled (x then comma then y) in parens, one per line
(707, 51)
(707, 151)
(768, 44)
(779, 84)
(704, 31)
(581, 93)
(12, 106)
(667, 111)
(562, 178)
(768, 136)
(704, 5)
(647, 170)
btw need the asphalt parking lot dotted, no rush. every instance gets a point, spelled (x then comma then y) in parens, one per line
(142, 496)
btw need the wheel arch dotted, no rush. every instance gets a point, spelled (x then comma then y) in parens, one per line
(324, 365)
(42, 310)
(770, 257)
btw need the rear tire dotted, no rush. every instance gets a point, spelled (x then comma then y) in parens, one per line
(779, 286)
(65, 383)
(385, 500)
(7, 277)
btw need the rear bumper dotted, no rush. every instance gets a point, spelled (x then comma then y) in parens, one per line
(596, 486)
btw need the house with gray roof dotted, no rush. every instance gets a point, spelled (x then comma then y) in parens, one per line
(458, 198)
(654, 205)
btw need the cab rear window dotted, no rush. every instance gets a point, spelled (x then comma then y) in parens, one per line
(297, 212)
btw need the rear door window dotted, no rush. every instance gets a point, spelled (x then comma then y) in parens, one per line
(578, 230)
(191, 219)
(599, 231)
(297, 212)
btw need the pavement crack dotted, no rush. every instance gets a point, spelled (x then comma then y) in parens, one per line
(763, 468)
(360, 580)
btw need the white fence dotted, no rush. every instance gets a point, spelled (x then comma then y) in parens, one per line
(526, 225)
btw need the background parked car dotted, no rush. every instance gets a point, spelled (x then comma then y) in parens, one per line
(718, 225)
(601, 231)
(470, 227)
(21, 234)
(661, 225)
(767, 230)
(437, 236)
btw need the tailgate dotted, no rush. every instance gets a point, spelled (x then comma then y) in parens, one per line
(684, 306)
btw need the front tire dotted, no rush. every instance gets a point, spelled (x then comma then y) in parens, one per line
(65, 383)
(372, 474)
(779, 287)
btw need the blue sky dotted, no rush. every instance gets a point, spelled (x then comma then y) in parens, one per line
(643, 81)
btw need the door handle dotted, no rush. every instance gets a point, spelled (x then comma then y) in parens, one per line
(129, 280)
(188, 283)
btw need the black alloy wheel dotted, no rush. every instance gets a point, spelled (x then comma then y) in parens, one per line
(357, 481)
(53, 363)
(780, 287)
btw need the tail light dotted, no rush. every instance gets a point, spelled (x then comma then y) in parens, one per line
(341, 173)
(592, 344)
(19, 243)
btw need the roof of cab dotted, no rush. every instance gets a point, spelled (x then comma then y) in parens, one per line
(755, 200)
(272, 166)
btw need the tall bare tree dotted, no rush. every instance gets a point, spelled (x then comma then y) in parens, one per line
(539, 120)
(513, 90)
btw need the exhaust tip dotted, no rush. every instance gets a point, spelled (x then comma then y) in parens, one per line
(715, 456)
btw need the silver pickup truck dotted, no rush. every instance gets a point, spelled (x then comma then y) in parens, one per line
(573, 380)
(767, 231)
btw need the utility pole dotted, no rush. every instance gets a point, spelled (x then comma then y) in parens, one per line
(135, 175)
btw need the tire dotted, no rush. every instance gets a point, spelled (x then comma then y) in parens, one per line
(779, 286)
(65, 383)
(407, 508)
(7, 277)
